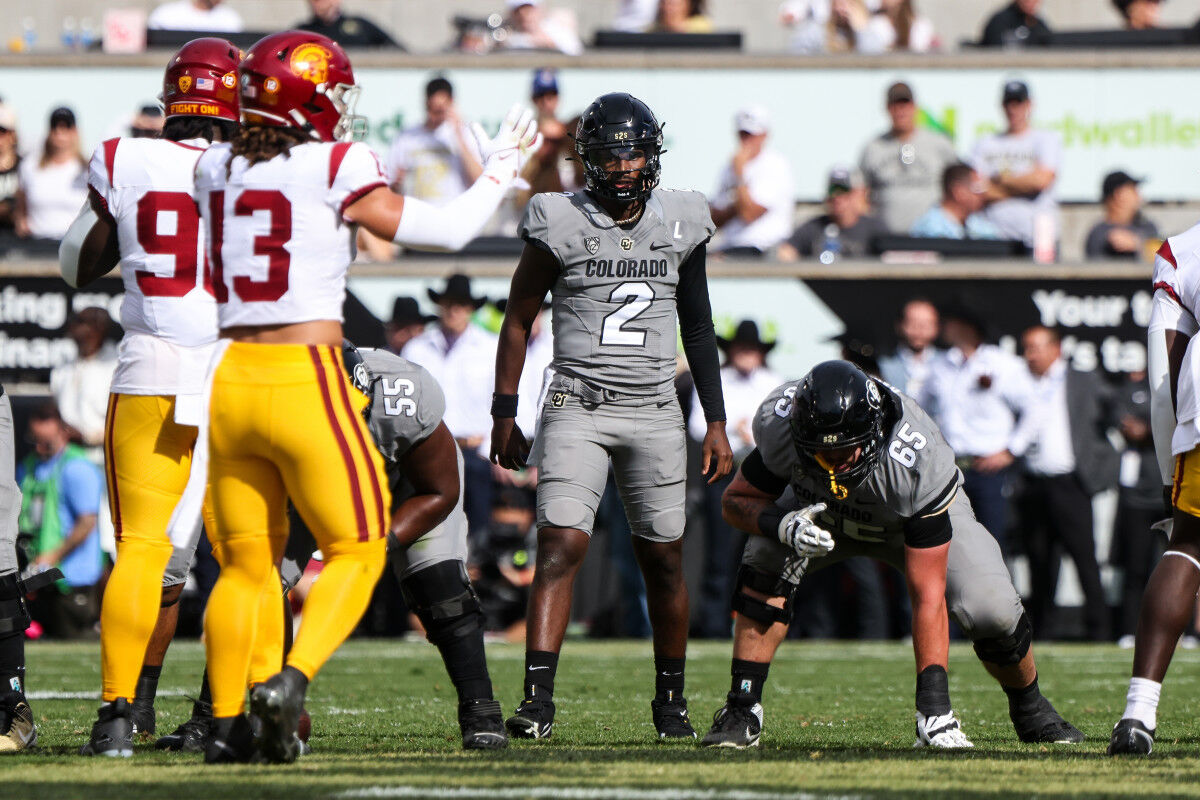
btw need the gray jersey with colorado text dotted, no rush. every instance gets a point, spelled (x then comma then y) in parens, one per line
(614, 313)
(914, 472)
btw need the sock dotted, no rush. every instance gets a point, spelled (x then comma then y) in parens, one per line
(147, 685)
(129, 612)
(668, 679)
(933, 691)
(202, 707)
(749, 677)
(12, 645)
(466, 665)
(540, 666)
(267, 657)
(337, 602)
(1141, 703)
(1023, 701)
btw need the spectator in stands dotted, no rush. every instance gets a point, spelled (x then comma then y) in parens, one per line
(845, 230)
(635, 16)
(1016, 25)
(903, 167)
(406, 324)
(438, 159)
(10, 164)
(60, 506)
(80, 387)
(1021, 166)
(808, 20)
(975, 392)
(745, 381)
(917, 331)
(147, 123)
(957, 216)
(531, 27)
(1124, 231)
(755, 201)
(681, 16)
(194, 15)
(550, 169)
(1139, 15)
(1136, 546)
(53, 186)
(346, 29)
(877, 27)
(461, 356)
(1066, 458)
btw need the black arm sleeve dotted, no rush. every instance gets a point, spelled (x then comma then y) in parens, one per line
(755, 471)
(930, 526)
(699, 339)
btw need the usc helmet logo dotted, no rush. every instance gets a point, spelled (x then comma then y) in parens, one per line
(311, 62)
(185, 83)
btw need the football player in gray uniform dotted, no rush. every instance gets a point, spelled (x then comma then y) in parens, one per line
(847, 466)
(624, 263)
(427, 538)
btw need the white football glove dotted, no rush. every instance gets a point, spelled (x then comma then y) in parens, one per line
(798, 531)
(940, 731)
(518, 136)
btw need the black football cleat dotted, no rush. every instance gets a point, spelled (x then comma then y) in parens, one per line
(112, 732)
(533, 719)
(737, 724)
(278, 703)
(17, 731)
(1130, 737)
(141, 714)
(482, 725)
(192, 735)
(1045, 725)
(230, 741)
(671, 719)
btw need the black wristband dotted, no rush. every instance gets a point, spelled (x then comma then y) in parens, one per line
(504, 405)
(769, 519)
(933, 691)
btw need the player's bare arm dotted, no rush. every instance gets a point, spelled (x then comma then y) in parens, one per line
(431, 466)
(744, 504)
(535, 275)
(925, 574)
(90, 248)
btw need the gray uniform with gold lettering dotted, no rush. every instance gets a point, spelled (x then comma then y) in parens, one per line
(611, 392)
(407, 405)
(914, 475)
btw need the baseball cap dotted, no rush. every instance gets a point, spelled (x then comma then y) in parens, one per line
(1115, 180)
(8, 117)
(1015, 92)
(899, 92)
(753, 120)
(62, 116)
(545, 81)
(843, 179)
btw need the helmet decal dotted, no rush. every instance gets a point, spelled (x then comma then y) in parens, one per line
(185, 83)
(311, 62)
(873, 394)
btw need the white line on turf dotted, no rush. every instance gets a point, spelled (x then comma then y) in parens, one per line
(581, 793)
(44, 695)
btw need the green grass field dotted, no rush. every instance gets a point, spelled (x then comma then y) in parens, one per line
(838, 724)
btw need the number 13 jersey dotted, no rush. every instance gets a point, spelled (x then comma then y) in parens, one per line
(614, 313)
(279, 244)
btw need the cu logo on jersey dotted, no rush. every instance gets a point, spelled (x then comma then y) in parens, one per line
(627, 244)
(592, 243)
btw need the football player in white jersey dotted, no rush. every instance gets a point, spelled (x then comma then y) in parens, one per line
(1170, 597)
(141, 213)
(280, 207)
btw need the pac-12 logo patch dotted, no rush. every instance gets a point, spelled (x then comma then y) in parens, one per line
(592, 243)
(558, 399)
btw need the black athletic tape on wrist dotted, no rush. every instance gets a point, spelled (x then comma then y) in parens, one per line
(769, 519)
(504, 405)
(933, 691)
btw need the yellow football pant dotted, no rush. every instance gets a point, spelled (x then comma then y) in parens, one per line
(1185, 492)
(286, 423)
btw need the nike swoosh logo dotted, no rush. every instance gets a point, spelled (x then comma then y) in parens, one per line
(531, 669)
(660, 246)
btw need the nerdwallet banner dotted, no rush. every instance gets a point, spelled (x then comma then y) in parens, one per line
(1136, 119)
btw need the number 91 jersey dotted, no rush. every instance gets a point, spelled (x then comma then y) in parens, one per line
(278, 242)
(614, 313)
(146, 185)
(913, 475)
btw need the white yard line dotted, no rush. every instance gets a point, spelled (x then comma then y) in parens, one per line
(581, 793)
(94, 695)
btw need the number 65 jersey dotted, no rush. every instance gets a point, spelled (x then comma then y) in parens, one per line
(614, 312)
(914, 474)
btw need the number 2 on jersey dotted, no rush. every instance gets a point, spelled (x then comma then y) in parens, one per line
(636, 297)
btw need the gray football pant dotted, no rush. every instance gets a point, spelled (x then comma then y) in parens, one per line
(644, 439)
(979, 592)
(10, 493)
(446, 542)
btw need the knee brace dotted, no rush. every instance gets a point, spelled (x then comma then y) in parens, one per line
(443, 599)
(14, 617)
(770, 585)
(1007, 650)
